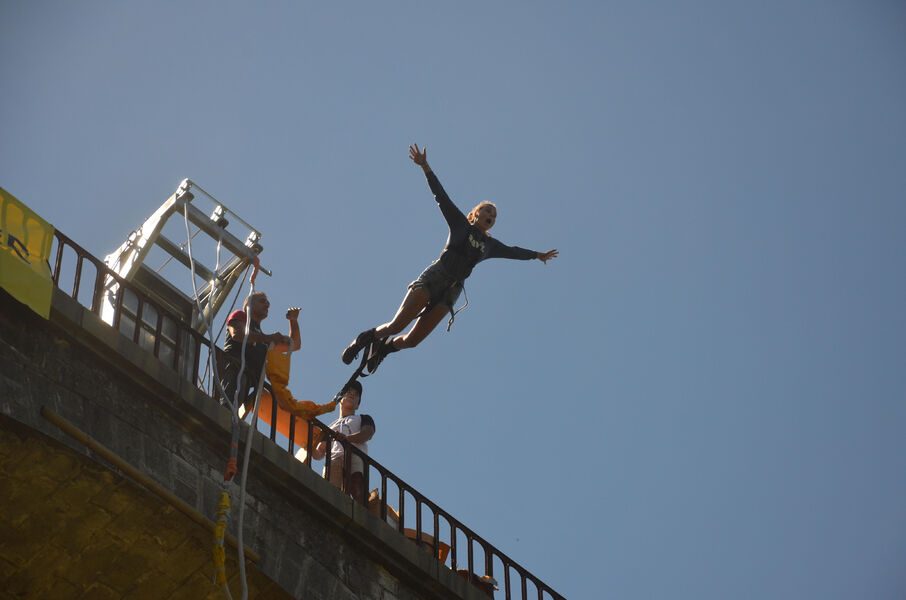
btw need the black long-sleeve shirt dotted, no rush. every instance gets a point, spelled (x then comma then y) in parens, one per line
(466, 244)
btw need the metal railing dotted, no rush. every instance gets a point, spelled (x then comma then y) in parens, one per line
(169, 338)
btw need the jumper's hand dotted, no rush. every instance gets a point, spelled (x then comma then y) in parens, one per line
(419, 157)
(293, 313)
(546, 256)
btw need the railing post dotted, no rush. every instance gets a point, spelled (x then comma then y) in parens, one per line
(453, 546)
(273, 434)
(309, 442)
(98, 291)
(347, 465)
(366, 471)
(436, 535)
(78, 277)
(471, 562)
(328, 456)
(118, 306)
(402, 502)
(418, 519)
(139, 310)
(383, 496)
(58, 261)
(158, 330)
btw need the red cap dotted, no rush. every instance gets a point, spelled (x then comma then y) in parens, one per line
(236, 315)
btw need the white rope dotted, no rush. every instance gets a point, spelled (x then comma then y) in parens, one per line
(211, 363)
(248, 444)
(213, 366)
(242, 480)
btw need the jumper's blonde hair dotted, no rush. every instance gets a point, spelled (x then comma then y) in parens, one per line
(473, 214)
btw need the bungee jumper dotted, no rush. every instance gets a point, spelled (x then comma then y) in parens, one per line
(433, 295)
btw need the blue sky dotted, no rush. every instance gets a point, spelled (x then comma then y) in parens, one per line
(703, 397)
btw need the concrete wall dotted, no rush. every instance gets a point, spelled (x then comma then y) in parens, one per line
(70, 528)
(313, 541)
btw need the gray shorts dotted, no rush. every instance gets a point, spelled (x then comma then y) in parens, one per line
(441, 287)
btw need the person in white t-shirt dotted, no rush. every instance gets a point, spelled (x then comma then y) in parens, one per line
(356, 430)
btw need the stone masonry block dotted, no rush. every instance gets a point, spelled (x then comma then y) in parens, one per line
(153, 584)
(95, 558)
(66, 404)
(85, 383)
(210, 496)
(196, 587)
(131, 524)
(22, 463)
(191, 555)
(99, 424)
(77, 532)
(63, 590)
(6, 569)
(59, 465)
(133, 562)
(272, 592)
(115, 497)
(128, 442)
(99, 591)
(11, 388)
(187, 494)
(357, 576)
(255, 581)
(34, 534)
(186, 479)
(11, 444)
(13, 541)
(170, 530)
(314, 581)
(387, 581)
(185, 471)
(10, 354)
(33, 579)
(291, 571)
(19, 497)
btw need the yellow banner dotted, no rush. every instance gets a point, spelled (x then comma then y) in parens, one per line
(25, 241)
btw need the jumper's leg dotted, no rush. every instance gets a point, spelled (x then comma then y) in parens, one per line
(413, 303)
(422, 328)
(424, 325)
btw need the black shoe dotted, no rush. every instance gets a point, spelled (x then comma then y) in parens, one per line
(378, 351)
(361, 340)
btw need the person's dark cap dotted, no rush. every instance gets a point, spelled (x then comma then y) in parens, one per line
(353, 385)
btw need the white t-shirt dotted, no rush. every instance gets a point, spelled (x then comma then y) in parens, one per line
(348, 426)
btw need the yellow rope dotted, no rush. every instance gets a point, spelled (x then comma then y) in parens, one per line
(223, 511)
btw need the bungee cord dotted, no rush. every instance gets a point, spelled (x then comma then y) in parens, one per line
(242, 481)
(224, 504)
